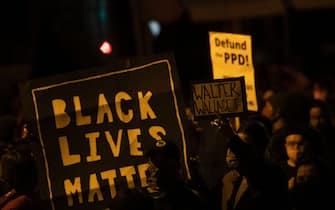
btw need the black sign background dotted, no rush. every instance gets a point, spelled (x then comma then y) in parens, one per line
(155, 75)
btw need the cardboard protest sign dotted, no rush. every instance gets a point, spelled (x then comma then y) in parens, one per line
(95, 127)
(231, 56)
(220, 97)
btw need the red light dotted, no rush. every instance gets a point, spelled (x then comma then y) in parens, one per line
(106, 48)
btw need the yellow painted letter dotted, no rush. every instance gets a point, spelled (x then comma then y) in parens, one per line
(110, 175)
(62, 119)
(67, 158)
(142, 168)
(72, 189)
(115, 148)
(92, 138)
(128, 172)
(134, 144)
(94, 189)
(145, 108)
(80, 118)
(122, 115)
(154, 132)
(103, 110)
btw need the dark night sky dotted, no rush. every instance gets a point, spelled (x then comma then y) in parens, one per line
(60, 36)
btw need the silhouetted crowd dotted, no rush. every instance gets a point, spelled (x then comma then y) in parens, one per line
(279, 158)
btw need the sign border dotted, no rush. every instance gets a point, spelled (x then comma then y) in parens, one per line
(132, 69)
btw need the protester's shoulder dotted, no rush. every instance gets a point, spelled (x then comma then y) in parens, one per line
(22, 202)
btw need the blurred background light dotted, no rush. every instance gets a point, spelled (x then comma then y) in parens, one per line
(155, 27)
(106, 48)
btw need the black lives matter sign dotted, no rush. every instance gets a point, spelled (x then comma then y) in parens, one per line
(220, 97)
(96, 128)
